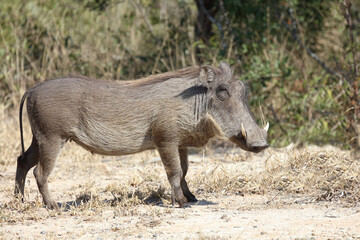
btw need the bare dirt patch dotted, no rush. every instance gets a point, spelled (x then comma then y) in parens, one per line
(287, 193)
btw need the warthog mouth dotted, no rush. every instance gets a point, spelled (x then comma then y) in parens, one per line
(240, 140)
(243, 141)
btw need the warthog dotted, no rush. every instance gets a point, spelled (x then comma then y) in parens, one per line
(168, 112)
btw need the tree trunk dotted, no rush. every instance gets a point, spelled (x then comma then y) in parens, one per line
(203, 27)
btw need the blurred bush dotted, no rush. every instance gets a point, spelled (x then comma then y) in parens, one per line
(267, 42)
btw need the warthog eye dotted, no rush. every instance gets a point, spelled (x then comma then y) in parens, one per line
(222, 93)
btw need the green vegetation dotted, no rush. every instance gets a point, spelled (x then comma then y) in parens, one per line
(273, 45)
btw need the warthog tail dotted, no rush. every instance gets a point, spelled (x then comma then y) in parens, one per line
(20, 121)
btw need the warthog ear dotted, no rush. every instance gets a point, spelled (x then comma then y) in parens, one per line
(206, 76)
(225, 69)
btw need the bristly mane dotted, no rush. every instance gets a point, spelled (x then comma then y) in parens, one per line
(189, 72)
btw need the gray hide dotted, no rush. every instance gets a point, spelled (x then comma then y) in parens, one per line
(168, 112)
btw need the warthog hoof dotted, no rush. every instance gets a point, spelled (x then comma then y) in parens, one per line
(51, 205)
(183, 202)
(191, 198)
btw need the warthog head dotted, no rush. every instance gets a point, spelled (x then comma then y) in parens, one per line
(228, 107)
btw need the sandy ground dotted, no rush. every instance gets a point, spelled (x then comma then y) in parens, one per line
(229, 217)
(218, 214)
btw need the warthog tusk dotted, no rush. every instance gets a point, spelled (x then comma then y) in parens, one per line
(243, 132)
(266, 128)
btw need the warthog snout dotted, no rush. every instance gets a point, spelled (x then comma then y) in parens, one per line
(252, 146)
(261, 143)
(253, 139)
(258, 146)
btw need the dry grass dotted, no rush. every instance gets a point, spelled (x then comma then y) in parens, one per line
(325, 173)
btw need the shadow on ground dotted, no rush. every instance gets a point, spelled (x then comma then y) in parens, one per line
(154, 199)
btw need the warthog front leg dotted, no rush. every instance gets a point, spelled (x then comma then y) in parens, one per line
(184, 166)
(171, 160)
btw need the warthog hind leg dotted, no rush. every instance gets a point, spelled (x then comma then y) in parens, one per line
(48, 153)
(24, 163)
